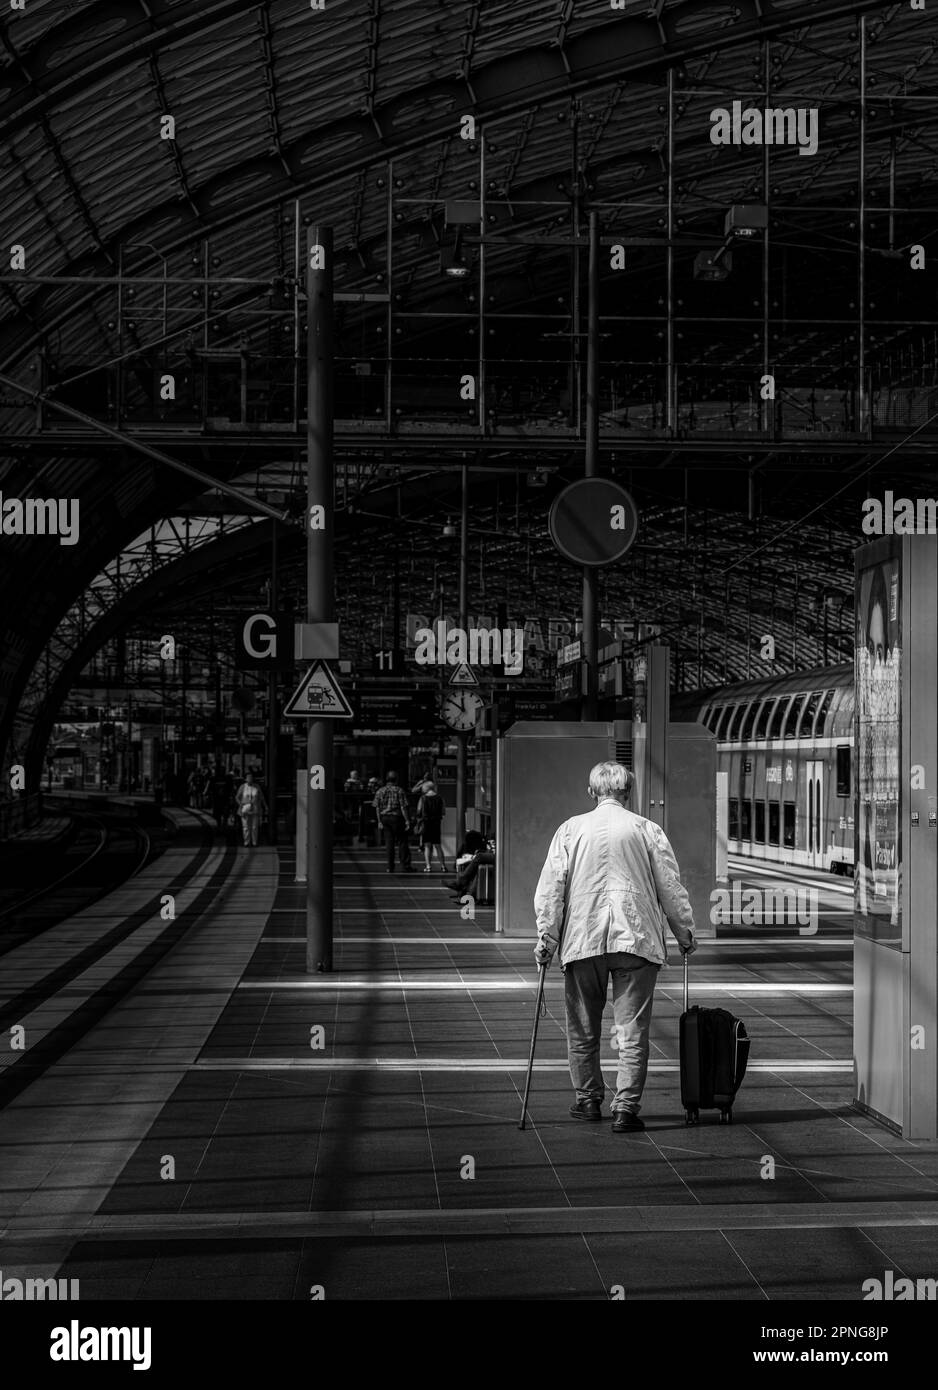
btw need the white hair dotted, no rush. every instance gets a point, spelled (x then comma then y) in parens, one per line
(611, 779)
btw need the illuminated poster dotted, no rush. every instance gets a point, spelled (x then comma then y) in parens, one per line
(878, 657)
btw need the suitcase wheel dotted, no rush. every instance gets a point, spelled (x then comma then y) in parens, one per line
(726, 1117)
(691, 1117)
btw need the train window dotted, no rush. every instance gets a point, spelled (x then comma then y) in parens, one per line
(778, 718)
(773, 822)
(821, 721)
(745, 830)
(794, 715)
(736, 722)
(745, 732)
(847, 710)
(765, 714)
(809, 713)
(840, 718)
(843, 770)
(788, 823)
(733, 829)
(759, 836)
(718, 718)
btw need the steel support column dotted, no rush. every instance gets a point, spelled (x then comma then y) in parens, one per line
(861, 421)
(462, 740)
(670, 383)
(320, 600)
(590, 637)
(480, 326)
(273, 712)
(389, 316)
(573, 413)
(769, 416)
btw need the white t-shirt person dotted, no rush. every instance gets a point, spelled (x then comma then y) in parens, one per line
(251, 805)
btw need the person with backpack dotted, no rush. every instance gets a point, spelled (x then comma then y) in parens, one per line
(394, 819)
(430, 824)
(608, 877)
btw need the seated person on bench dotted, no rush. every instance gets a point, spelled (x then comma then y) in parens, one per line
(474, 851)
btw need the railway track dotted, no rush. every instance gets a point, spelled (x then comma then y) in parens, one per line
(42, 887)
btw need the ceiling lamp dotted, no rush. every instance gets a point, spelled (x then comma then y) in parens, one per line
(746, 220)
(712, 265)
(452, 261)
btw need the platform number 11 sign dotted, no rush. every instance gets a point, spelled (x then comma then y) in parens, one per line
(388, 662)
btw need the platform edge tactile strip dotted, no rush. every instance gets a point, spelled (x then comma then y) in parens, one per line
(486, 1221)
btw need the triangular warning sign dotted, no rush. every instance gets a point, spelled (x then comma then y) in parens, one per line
(318, 696)
(463, 675)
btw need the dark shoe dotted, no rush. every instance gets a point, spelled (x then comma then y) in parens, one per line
(626, 1122)
(586, 1110)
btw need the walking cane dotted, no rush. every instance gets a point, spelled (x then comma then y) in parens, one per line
(542, 969)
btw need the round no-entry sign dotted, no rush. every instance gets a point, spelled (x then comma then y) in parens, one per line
(593, 521)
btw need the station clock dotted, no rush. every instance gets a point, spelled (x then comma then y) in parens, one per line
(460, 709)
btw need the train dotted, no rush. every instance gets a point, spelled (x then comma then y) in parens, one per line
(786, 747)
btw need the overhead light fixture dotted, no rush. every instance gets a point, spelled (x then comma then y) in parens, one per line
(458, 212)
(743, 222)
(452, 261)
(449, 530)
(746, 220)
(713, 265)
(449, 265)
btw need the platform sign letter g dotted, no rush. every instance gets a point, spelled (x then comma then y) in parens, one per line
(263, 643)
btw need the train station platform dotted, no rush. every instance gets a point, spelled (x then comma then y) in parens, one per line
(236, 1128)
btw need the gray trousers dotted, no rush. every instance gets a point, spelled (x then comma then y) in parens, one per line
(586, 984)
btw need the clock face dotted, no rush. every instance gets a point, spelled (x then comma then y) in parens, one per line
(460, 708)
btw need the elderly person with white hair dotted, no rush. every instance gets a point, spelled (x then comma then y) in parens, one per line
(608, 878)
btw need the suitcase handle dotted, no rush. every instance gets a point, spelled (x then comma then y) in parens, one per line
(684, 954)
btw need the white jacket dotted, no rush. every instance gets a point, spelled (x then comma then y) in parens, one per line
(608, 878)
(250, 799)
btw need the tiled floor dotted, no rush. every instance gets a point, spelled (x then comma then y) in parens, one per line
(382, 1156)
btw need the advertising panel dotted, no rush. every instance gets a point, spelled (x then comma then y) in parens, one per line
(878, 732)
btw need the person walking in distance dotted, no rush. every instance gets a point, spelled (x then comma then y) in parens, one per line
(607, 878)
(430, 825)
(394, 818)
(221, 788)
(251, 806)
(367, 815)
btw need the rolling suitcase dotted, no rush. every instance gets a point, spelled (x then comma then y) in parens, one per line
(714, 1052)
(485, 884)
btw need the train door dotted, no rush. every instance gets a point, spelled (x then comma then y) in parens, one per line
(814, 792)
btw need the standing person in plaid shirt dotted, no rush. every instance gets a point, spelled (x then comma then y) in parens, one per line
(394, 816)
